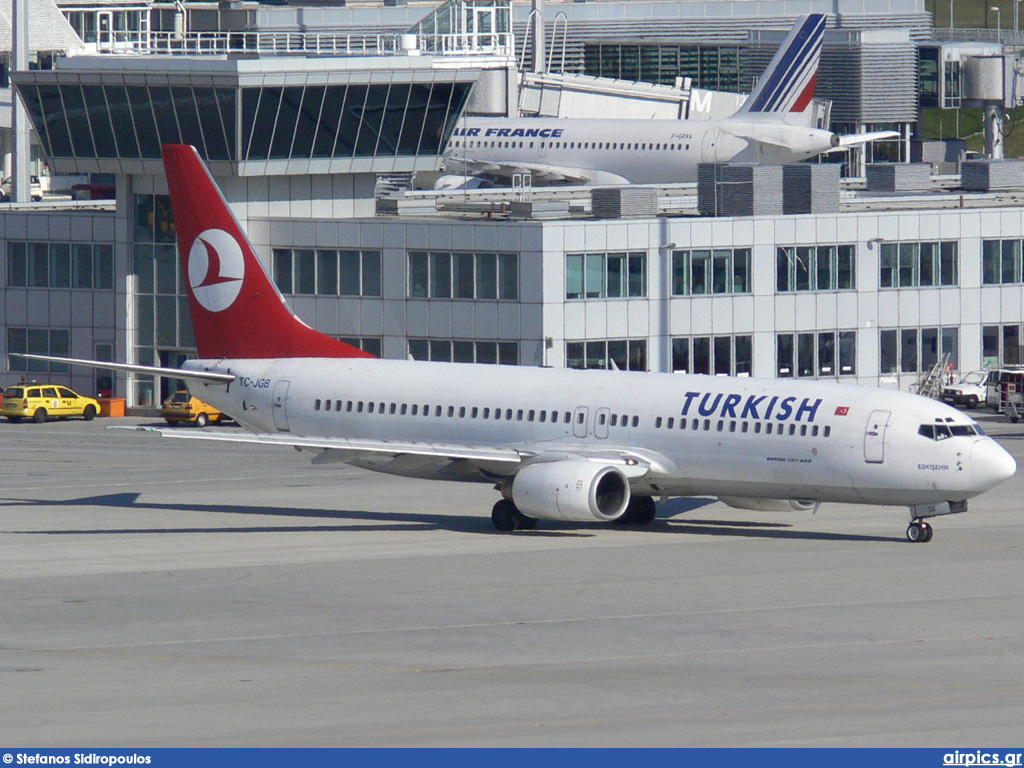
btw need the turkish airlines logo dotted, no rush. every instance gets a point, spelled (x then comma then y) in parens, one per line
(215, 269)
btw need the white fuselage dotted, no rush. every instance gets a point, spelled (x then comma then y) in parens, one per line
(702, 435)
(616, 150)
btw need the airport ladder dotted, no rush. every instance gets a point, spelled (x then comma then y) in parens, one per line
(933, 381)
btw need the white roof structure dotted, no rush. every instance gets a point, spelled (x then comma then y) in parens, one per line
(48, 30)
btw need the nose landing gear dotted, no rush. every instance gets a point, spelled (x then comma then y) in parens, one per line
(919, 531)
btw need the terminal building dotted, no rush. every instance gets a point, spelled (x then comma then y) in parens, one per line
(876, 287)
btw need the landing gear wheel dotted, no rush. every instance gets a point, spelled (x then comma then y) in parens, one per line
(524, 522)
(640, 511)
(506, 517)
(927, 531)
(919, 531)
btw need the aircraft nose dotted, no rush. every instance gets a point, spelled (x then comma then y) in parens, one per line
(991, 464)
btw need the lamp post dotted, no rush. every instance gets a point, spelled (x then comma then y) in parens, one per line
(951, 14)
(1016, 22)
(999, 23)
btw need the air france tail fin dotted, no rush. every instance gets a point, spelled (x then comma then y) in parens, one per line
(787, 85)
(237, 311)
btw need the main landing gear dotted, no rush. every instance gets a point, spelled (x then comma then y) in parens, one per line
(506, 517)
(640, 511)
(919, 531)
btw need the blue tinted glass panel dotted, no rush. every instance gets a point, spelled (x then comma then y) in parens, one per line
(121, 119)
(446, 103)
(30, 95)
(78, 122)
(394, 115)
(209, 120)
(145, 125)
(372, 120)
(350, 125)
(56, 125)
(163, 113)
(263, 125)
(99, 120)
(415, 114)
(250, 103)
(188, 118)
(227, 99)
(306, 124)
(287, 117)
(330, 121)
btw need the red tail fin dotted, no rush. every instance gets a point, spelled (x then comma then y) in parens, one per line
(237, 311)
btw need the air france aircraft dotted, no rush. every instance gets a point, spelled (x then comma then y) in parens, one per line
(559, 444)
(769, 129)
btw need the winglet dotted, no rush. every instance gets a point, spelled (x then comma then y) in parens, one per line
(237, 311)
(787, 85)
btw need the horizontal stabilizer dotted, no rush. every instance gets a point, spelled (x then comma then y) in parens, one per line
(149, 370)
(856, 139)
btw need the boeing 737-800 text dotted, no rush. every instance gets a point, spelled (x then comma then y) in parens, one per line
(558, 444)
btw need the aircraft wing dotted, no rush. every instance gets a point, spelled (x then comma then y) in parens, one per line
(493, 461)
(543, 172)
(151, 370)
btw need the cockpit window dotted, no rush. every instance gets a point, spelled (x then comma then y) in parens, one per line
(945, 431)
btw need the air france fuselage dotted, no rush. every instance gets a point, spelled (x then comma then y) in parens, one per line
(613, 151)
(700, 435)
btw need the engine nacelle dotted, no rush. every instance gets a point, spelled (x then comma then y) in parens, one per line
(576, 490)
(769, 505)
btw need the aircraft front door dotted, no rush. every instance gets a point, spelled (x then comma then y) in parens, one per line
(280, 405)
(601, 423)
(579, 421)
(874, 437)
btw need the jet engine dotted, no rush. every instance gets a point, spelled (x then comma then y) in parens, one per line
(576, 490)
(770, 505)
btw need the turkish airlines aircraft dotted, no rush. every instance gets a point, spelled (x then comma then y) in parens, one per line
(558, 444)
(769, 129)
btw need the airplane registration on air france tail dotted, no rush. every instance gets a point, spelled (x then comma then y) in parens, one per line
(558, 444)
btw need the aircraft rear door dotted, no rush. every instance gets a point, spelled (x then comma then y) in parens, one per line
(709, 145)
(874, 437)
(280, 405)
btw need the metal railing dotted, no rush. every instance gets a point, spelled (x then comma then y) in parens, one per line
(303, 43)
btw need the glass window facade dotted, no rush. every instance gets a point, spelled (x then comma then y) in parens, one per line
(715, 68)
(1001, 262)
(815, 268)
(713, 355)
(60, 265)
(336, 121)
(38, 341)
(698, 273)
(918, 265)
(77, 120)
(446, 275)
(822, 354)
(327, 271)
(111, 121)
(915, 350)
(621, 354)
(1001, 344)
(606, 275)
(465, 351)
